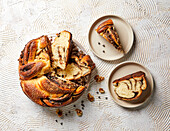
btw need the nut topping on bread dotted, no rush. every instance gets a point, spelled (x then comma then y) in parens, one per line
(130, 87)
(57, 84)
(108, 31)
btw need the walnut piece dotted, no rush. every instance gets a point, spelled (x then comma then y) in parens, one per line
(98, 78)
(90, 97)
(79, 112)
(101, 90)
(59, 112)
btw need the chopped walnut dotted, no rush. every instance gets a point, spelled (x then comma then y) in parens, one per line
(101, 90)
(90, 97)
(98, 78)
(79, 112)
(59, 112)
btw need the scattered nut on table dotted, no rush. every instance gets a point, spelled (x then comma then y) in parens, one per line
(79, 112)
(59, 112)
(101, 90)
(90, 97)
(98, 78)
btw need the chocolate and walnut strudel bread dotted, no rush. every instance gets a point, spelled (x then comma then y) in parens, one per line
(130, 87)
(51, 80)
(108, 31)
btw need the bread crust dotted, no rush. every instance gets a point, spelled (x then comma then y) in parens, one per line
(46, 92)
(133, 75)
(103, 26)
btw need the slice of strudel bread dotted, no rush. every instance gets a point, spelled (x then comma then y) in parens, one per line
(130, 87)
(108, 31)
(61, 48)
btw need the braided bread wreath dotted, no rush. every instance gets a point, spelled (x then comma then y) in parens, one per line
(54, 74)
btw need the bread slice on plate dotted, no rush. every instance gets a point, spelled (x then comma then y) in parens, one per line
(61, 48)
(130, 87)
(108, 31)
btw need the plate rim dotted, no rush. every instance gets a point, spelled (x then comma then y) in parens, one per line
(109, 15)
(152, 84)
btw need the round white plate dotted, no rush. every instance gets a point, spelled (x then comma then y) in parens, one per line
(105, 50)
(127, 68)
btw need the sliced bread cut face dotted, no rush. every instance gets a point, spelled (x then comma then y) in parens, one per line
(79, 67)
(108, 31)
(61, 48)
(130, 87)
(73, 72)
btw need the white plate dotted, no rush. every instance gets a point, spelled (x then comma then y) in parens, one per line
(124, 69)
(109, 52)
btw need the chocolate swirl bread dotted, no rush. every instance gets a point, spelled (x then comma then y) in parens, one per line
(130, 87)
(51, 80)
(108, 31)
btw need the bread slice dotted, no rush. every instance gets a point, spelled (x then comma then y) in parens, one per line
(108, 31)
(130, 87)
(61, 48)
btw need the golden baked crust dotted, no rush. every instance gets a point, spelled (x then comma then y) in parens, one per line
(35, 58)
(108, 31)
(40, 80)
(51, 91)
(130, 87)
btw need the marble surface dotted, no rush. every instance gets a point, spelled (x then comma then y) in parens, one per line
(21, 21)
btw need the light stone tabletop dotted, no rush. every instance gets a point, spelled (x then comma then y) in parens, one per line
(23, 20)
